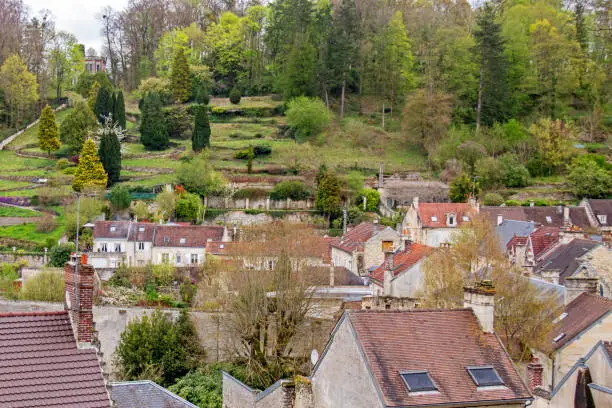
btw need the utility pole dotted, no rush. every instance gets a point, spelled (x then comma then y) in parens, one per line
(344, 217)
(383, 116)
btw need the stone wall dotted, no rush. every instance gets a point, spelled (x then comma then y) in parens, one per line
(31, 260)
(264, 203)
(241, 218)
(239, 395)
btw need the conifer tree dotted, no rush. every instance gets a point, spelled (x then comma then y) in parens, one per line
(103, 104)
(119, 110)
(48, 132)
(77, 125)
(179, 77)
(109, 150)
(201, 130)
(153, 131)
(89, 172)
(93, 95)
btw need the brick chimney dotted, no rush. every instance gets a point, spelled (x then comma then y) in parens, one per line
(388, 273)
(566, 217)
(481, 299)
(79, 278)
(534, 374)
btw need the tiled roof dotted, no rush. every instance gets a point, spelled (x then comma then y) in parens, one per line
(564, 257)
(41, 366)
(543, 239)
(111, 229)
(441, 342)
(602, 207)
(403, 260)
(146, 394)
(608, 348)
(511, 228)
(141, 232)
(508, 213)
(579, 217)
(582, 312)
(439, 210)
(551, 216)
(193, 236)
(354, 239)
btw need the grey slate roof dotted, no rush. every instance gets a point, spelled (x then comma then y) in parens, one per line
(509, 228)
(564, 258)
(146, 394)
(550, 289)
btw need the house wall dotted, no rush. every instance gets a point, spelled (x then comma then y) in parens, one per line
(436, 236)
(600, 259)
(547, 365)
(373, 254)
(110, 243)
(599, 366)
(408, 283)
(237, 394)
(601, 399)
(173, 252)
(137, 257)
(344, 259)
(411, 226)
(342, 379)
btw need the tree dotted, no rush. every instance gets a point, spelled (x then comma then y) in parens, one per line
(189, 207)
(462, 188)
(158, 347)
(372, 199)
(202, 94)
(166, 202)
(141, 211)
(110, 149)
(90, 171)
(587, 179)
(153, 132)
(66, 61)
(119, 110)
(199, 177)
(204, 387)
(427, 116)
(92, 96)
(77, 125)
(60, 254)
(179, 78)
(201, 129)
(328, 199)
(103, 106)
(554, 142)
(48, 133)
(120, 198)
(308, 116)
(20, 88)
(235, 96)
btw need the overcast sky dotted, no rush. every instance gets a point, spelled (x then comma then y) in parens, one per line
(77, 17)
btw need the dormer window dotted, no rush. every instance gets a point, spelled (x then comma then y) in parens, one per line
(603, 218)
(434, 218)
(465, 218)
(166, 240)
(221, 246)
(485, 376)
(182, 240)
(113, 228)
(558, 338)
(451, 219)
(141, 229)
(418, 381)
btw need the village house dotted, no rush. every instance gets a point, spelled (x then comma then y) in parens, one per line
(599, 260)
(145, 394)
(562, 217)
(361, 249)
(49, 358)
(587, 384)
(599, 213)
(584, 322)
(433, 224)
(527, 251)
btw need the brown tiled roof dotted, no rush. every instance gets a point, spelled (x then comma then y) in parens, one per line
(194, 236)
(316, 247)
(508, 213)
(608, 347)
(354, 239)
(543, 239)
(579, 217)
(136, 234)
(582, 312)
(41, 366)
(538, 215)
(103, 229)
(403, 260)
(441, 342)
(439, 210)
(602, 207)
(564, 258)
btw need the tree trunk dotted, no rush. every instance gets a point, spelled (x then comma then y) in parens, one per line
(479, 106)
(383, 116)
(342, 99)
(326, 98)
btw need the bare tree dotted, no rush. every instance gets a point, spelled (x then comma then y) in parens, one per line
(108, 19)
(12, 22)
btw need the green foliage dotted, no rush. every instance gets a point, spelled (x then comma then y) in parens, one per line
(308, 116)
(372, 199)
(202, 94)
(109, 150)
(8, 277)
(60, 254)
(178, 121)
(159, 346)
(251, 193)
(462, 188)
(554, 142)
(119, 110)
(252, 152)
(166, 202)
(120, 198)
(90, 171)
(198, 176)
(292, 189)
(328, 199)
(87, 80)
(77, 125)
(514, 173)
(354, 181)
(470, 152)
(48, 132)
(104, 104)
(153, 132)
(493, 199)
(153, 85)
(93, 95)
(189, 207)
(235, 96)
(512, 203)
(587, 179)
(180, 82)
(45, 286)
(201, 130)
(141, 211)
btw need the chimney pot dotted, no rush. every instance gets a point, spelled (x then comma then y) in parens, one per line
(481, 299)
(79, 282)
(500, 219)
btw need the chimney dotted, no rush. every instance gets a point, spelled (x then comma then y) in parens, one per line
(473, 202)
(388, 273)
(79, 278)
(576, 285)
(481, 299)
(566, 217)
(531, 203)
(534, 374)
(500, 219)
(550, 276)
(415, 202)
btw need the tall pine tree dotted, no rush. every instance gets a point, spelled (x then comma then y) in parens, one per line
(153, 131)
(48, 132)
(492, 87)
(119, 110)
(179, 77)
(110, 151)
(201, 130)
(103, 105)
(90, 172)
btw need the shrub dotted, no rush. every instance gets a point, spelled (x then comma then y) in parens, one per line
(493, 199)
(294, 190)
(262, 150)
(62, 164)
(178, 121)
(188, 207)
(120, 198)
(70, 171)
(121, 277)
(489, 172)
(372, 199)
(250, 193)
(45, 286)
(514, 173)
(308, 116)
(245, 154)
(512, 203)
(587, 179)
(235, 96)
(8, 276)
(198, 176)
(46, 224)
(60, 254)
(160, 86)
(163, 274)
(462, 187)
(141, 211)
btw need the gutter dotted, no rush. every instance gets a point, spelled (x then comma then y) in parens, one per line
(461, 404)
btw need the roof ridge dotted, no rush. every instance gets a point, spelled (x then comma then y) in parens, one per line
(458, 309)
(41, 313)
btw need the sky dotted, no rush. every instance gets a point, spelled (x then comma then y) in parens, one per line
(77, 17)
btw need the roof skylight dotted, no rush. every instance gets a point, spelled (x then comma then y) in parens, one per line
(418, 381)
(434, 218)
(559, 337)
(485, 376)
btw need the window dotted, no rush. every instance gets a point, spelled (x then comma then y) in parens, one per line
(141, 246)
(113, 228)
(465, 218)
(165, 258)
(117, 247)
(104, 247)
(559, 337)
(182, 240)
(434, 219)
(221, 246)
(194, 258)
(561, 317)
(548, 219)
(450, 219)
(418, 381)
(270, 265)
(602, 218)
(141, 229)
(166, 240)
(178, 259)
(485, 376)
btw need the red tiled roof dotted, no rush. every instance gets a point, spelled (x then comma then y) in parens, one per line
(516, 241)
(582, 312)
(441, 342)
(104, 229)
(354, 239)
(439, 210)
(194, 236)
(403, 260)
(41, 366)
(141, 231)
(543, 239)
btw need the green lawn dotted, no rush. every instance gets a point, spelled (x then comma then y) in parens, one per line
(8, 184)
(30, 136)
(10, 161)
(247, 102)
(27, 232)
(17, 212)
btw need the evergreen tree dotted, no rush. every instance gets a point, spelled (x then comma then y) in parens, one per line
(89, 172)
(202, 94)
(48, 133)
(179, 77)
(77, 124)
(153, 131)
(328, 199)
(119, 110)
(103, 105)
(201, 130)
(109, 150)
(235, 96)
(492, 88)
(93, 95)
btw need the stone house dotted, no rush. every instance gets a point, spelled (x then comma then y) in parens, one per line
(562, 217)
(599, 213)
(433, 224)
(589, 379)
(183, 245)
(600, 260)
(400, 274)
(583, 323)
(361, 248)
(526, 252)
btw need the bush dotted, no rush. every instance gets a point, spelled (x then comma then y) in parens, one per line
(46, 224)
(46, 286)
(251, 193)
(159, 86)
(294, 190)
(70, 171)
(512, 203)
(587, 179)
(515, 174)
(372, 199)
(60, 254)
(493, 199)
(120, 198)
(164, 274)
(198, 176)
(308, 116)
(188, 207)
(463, 187)
(62, 164)
(178, 121)
(489, 172)
(262, 150)
(235, 96)
(245, 154)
